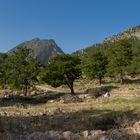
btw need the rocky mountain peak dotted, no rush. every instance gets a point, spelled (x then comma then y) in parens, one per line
(43, 48)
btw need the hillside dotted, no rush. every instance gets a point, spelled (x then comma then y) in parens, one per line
(99, 110)
(132, 34)
(43, 49)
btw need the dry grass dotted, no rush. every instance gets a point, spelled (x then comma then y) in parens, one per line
(122, 97)
(121, 108)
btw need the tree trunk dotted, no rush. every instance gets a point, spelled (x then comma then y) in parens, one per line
(100, 81)
(26, 90)
(71, 88)
(26, 87)
(121, 80)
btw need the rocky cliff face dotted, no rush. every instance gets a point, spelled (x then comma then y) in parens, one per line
(43, 49)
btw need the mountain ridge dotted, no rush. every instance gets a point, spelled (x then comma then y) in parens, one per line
(127, 33)
(43, 48)
(132, 32)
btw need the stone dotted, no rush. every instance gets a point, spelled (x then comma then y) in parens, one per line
(130, 131)
(98, 135)
(36, 136)
(118, 134)
(103, 138)
(51, 101)
(53, 134)
(76, 137)
(137, 126)
(91, 134)
(61, 101)
(85, 134)
(67, 135)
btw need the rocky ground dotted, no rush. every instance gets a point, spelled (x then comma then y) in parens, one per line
(51, 114)
(130, 133)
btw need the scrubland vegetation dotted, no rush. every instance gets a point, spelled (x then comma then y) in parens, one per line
(76, 100)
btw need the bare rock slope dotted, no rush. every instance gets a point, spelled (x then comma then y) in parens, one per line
(43, 49)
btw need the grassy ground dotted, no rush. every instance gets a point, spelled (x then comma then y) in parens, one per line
(39, 113)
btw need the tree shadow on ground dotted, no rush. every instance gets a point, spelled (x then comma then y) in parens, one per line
(40, 98)
(132, 81)
(44, 97)
(74, 121)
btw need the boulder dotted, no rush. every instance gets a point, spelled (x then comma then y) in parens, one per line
(68, 98)
(67, 135)
(85, 134)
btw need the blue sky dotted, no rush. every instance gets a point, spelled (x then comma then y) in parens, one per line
(73, 24)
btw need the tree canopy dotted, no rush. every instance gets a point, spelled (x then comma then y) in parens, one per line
(119, 57)
(63, 69)
(95, 66)
(2, 68)
(21, 69)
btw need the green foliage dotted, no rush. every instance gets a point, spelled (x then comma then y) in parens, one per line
(3, 56)
(95, 66)
(122, 56)
(2, 68)
(134, 68)
(42, 74)
(119, 57)
(21, 69)
(63, 69)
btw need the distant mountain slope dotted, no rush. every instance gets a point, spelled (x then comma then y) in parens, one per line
(132, 33)
(43, 49)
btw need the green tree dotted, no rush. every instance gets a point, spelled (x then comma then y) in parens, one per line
(95, 66)
(22, 69)
(135, 65)
(119, 57)
(2, 69)
(63, 69)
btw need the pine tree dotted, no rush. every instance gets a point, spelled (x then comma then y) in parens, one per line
(119, 57)
(22, 69)
(2, 69)
(95, 66)
(63, 69)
